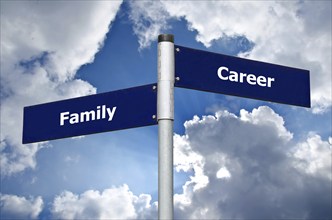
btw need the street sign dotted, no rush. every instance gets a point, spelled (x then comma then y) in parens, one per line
(137, 107)
(122, 109)
(218, 73)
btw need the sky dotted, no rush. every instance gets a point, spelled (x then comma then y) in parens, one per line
(234, 158)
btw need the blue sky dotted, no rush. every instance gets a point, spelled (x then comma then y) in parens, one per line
(234, 158)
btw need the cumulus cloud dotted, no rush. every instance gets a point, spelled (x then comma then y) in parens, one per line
(314, 156)
(250, 169)
(294, 33)
(16, 207)
(244, 166)
(112, 203)
(43, 44)
(149, 19)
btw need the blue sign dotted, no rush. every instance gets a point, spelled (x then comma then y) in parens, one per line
(235, 76)
(122, 109)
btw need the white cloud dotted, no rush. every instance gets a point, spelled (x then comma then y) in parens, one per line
(294, 33)
(244, 166)
(186, 160)
(33, 28)
(112, 203)
(314, 156)
(252, 170)
(43, 44)
(150, 19)
(223, 173)
(16, 207)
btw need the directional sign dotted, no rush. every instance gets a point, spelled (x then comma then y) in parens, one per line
(109, 111)
(229, 75)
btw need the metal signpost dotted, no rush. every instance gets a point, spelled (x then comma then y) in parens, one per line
(165, 116)
(154, 104)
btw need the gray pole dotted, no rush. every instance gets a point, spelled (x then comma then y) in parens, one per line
(165, 111)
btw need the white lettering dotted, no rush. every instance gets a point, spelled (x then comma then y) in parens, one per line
(251, 79)
(233, 76)
(103, 111)
(63, 117)
(242, 76)
(269, 81)
(261, 80)
(220, 73)
(92, 115)
(111, 113)
(74, 118)
(98, 112)
(87, 116)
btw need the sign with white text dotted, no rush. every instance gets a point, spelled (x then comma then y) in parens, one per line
(218, 73)
(122, 109)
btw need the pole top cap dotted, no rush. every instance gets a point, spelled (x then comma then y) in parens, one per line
(166, 37)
